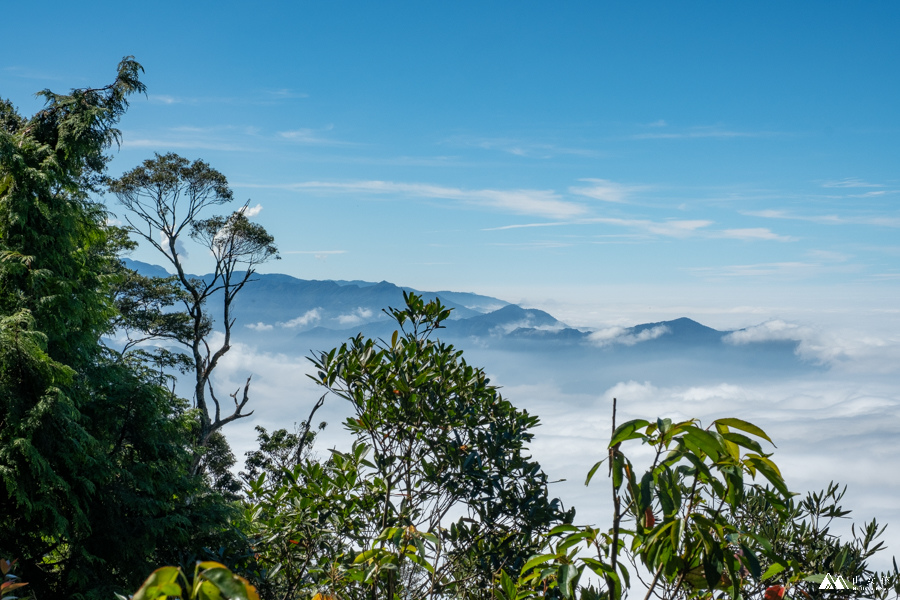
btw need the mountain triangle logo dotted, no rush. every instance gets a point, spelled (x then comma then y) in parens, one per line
(835, 582)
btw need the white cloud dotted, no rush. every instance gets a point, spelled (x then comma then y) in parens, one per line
(603, 189)
(252, 211)
(678, 228)
(847, 350)
(877, 220)
(526, 323)
(620, 335)
(163, 99)
(356, 317)
(828, 255)
(849, 182)
(305, 135)
(755, 233)
(774, 330)
(528, 225)
(518, 147)
(179, 245)
(783, 269)
(704, 132)
(674, 228)
(285, 94)
(307, 318)
(826, 426)
(259, 326)
(540, 203)
(162, 144)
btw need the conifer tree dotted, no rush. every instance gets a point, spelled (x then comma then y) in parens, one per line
(94, 452)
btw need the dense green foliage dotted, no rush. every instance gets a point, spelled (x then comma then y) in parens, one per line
(711, 517)
(439, 461)
(94, 450)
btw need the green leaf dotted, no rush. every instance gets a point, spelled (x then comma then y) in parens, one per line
(676, 534)
(748, 558)
(773, 570)
(364, 556)
(157, 579)
(713, 568)
(593, 470)
(743, 440)
(646, 491)
(560, 529)
(770, 472)
(421, 562)
(745, 427)
(537, 560)
(226, 582)
(568, 574)
(708, 442)
(207, 590)
(627, 431)
(507, 585)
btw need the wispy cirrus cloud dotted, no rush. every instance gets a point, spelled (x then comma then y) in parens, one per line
(850, 182)
(285, 94)
(164, 144)
(673, 228)
(227, 138)
(877, 220)
(313, 137)
(164, 99)
(539, 203)
(605, 190)
(317, 254)
(755, 233)
(784, 269)
(257, 97)
(519, 147)
(529, 225)
(29, 73)
(700, 132)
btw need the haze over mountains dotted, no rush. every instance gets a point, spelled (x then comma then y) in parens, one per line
(279, 311)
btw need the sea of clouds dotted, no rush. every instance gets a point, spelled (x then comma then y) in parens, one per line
(838, 421)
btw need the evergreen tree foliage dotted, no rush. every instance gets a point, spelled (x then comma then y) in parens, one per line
(94, 450)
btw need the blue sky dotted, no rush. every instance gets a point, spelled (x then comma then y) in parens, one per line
(696, 156)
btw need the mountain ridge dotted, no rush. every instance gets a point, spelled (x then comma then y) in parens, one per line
(277, 310)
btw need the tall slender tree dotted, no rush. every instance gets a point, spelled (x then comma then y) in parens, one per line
(165, 198)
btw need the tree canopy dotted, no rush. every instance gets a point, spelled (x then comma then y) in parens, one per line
(94, 449)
